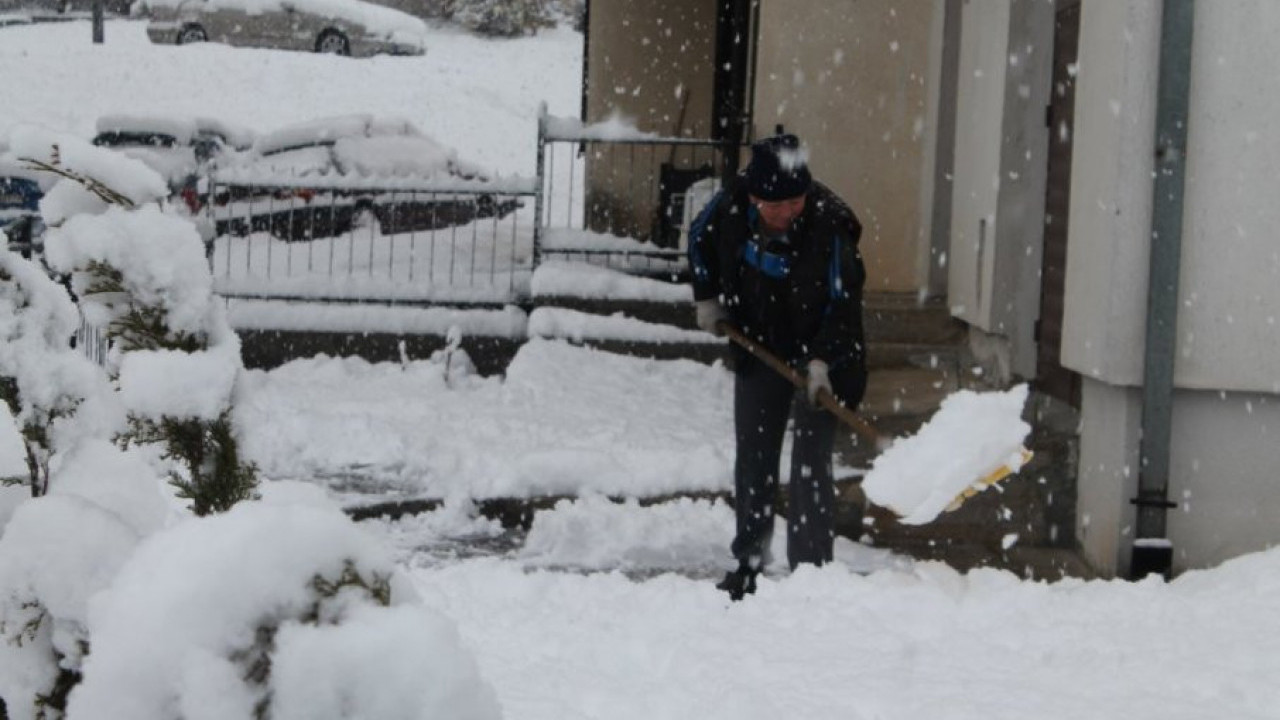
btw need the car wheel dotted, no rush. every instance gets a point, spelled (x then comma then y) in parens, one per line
(333, 42)
(192, 34)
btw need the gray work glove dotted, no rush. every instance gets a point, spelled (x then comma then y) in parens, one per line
(709, 314)
(817, 379)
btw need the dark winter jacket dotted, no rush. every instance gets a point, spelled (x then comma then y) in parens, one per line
(801, 298)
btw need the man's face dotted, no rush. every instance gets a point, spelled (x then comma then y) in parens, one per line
(777, 215)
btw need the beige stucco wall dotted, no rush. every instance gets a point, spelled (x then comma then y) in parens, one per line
(651, 63)
(857, 80)
(648, 57)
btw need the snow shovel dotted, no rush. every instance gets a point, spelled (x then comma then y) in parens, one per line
(858, 424)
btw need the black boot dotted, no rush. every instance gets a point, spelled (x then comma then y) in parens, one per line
(738, 583)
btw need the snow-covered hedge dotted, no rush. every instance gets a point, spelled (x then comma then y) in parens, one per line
(56, 552)
(280, 611)
(42, 379)
(142, 275)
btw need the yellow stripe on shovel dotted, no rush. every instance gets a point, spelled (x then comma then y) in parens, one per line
(859, 425)
(988, 480)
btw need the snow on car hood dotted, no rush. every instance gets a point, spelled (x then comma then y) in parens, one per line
(326, 131)
(174, 164)
(376, 19)
(393, 155)
(356, 144)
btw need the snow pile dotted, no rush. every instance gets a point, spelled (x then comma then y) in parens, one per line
(560, 278)
(594, 533)
(56, 552)
(285, 607)
(830, 644)
(589, 533)
(971, 435)
(508, 322)
(575, 325)
(56, 392)
(615, 127)
(160, 257)
(373, 147)
(566, 420)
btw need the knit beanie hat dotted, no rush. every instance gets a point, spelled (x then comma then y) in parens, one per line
(779, 168)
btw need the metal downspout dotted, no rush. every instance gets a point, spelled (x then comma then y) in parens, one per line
(1152, 551)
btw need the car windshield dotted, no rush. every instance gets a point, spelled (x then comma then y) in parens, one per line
(134, 138)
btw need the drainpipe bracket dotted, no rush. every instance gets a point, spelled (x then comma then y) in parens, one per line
(1160, 502)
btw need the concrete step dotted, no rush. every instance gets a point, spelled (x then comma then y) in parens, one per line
(904, 318)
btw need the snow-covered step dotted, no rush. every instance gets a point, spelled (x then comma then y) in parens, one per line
(905, 318)
(618, 333)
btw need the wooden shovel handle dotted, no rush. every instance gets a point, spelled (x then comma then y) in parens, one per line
(825, 398)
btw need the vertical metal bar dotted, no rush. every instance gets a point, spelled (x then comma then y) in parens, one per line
(631, 189)
(545, 185)
(351, 249)
(573, 183)
(372, 226)
(271, 221)
(453, 247)
(511, 283)
(413, 233)
(333, 225)
(493, 244)
(475, 235)
(248, 224)
(311, 235)
(391, 238)
(431, 254)
(288, 248)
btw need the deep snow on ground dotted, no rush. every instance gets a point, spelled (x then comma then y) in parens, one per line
(479, 96)
(564, 420)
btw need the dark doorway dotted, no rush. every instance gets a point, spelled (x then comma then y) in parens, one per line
(1051, 378)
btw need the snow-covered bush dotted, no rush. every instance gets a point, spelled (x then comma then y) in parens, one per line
(55, 553)
(43, 380)
(142, 274)
(505, 18)
(271, 611)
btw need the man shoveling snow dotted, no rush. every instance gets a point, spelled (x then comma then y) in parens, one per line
(776, 254)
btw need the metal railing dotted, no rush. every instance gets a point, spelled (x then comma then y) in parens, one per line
(336, 238)
(622, 199)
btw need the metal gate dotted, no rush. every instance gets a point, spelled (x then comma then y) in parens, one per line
(614, 196)
(347, 238)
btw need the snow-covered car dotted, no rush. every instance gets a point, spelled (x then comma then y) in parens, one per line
(20, 191)
(341, 27)
(325, 177)
(183, 151)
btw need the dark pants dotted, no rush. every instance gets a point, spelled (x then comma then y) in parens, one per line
(762, 402)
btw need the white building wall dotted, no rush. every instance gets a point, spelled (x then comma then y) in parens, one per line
(975, 189)
(1107, 475)
(1224, 468)
(997, 230)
